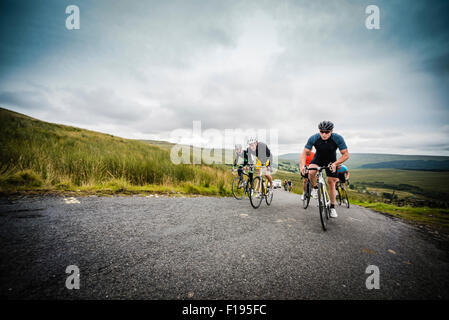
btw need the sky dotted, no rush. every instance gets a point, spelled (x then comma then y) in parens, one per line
(144, 70)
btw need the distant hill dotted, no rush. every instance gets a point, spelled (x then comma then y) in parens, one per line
(431, 165)
(378, 160)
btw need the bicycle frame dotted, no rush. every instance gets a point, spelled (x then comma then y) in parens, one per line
(323, 197)
(323, 183)
(261, 180)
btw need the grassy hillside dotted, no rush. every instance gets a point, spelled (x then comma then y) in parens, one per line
(358, 160)
(40, 155)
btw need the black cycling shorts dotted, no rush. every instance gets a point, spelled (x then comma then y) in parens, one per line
(342, 177)
(325, 163)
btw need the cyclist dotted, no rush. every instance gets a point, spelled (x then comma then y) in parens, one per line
(289, 185)
(309, 158)
(260, 151)
(326, 144)
(343, 174)
(241, 158)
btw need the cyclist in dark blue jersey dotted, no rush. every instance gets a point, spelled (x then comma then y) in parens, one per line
(326, 144)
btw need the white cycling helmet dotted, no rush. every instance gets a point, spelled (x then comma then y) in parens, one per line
(252, 140)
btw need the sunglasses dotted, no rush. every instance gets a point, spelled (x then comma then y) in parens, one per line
(324, 131)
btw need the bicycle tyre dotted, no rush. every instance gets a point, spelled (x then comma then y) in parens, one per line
(306, 200)
(322, 207)
(237, 188)
(268, 199)
(253, 199)
(346, 197)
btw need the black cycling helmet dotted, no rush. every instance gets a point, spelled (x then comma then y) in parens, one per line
(326, 125)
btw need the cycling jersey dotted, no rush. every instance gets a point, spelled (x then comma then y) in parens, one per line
(259, 164)
(243, 155)
(342, 169)
(326, 150)
(309, 158)
(262, 153)
(342, 177)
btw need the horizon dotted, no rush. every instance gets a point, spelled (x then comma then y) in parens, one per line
(279, 155)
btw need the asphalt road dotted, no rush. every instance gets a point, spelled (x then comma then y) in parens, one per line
(211, 248)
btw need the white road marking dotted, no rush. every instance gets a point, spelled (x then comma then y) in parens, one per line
(71, 200)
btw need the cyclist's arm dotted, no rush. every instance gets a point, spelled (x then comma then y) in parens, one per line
(269, 155)
(245, 157)
(302, 159)
(236, 159)
(342, 147)
(343, 158)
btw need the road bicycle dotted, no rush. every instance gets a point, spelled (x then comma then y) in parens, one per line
(260, 190)
(324, 202)
(342, 195)
(241, 185)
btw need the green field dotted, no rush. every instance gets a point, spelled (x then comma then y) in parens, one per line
(426, 180)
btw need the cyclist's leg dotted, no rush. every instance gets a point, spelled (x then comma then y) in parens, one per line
(332, 181)
(267, 174)
(313, 175)
(240, 171)
(341, 177)
(251, 175)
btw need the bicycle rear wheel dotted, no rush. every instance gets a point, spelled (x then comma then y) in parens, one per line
(322, 206)
(345, 197)
(256, 193)
(307, 191)
(238, 188)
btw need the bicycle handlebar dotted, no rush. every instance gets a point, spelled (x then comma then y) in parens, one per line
(319, 168)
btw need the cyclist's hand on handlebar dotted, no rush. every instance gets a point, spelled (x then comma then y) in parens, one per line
(332, 167)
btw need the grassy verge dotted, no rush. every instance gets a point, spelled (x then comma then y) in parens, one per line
(432, 217)
(40, 156)
(120, 188)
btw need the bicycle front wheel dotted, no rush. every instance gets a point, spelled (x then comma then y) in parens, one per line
(238, 188)
(322, 207)
(306, 194)
(256, 193)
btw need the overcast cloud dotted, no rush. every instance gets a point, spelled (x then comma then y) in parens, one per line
(142, 70)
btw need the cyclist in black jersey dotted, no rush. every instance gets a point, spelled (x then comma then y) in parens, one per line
(326, 144)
